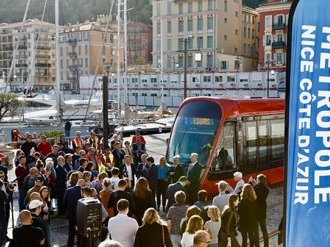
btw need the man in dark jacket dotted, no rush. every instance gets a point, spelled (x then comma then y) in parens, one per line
(151, 174)
(176, 170)
(262, 192)
(71, 198)
(28, 145)
(181, 184)
(121, 194)
(193, 174)
(60, 183)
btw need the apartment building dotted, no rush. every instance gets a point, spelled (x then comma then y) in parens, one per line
(273, 24)
(27, 55)
(80, 49)
(211, 32)
(139, 43)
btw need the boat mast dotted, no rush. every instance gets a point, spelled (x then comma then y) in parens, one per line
(57, 60)
(125, 52)
(118, 58)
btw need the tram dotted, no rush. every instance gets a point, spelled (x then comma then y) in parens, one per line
(230, 136)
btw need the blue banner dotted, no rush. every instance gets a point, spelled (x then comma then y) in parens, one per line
(308, 109)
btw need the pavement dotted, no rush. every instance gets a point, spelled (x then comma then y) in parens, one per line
(156, 147)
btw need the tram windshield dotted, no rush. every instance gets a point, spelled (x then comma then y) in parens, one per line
(194, 131)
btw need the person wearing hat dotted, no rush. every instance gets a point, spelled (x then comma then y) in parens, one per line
(181, 184)
(26, 234)
(176, 170)
(35, 207)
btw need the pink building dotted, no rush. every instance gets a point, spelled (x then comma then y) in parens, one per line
(273, 29)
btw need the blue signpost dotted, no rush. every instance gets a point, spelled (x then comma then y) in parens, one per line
(308, 125)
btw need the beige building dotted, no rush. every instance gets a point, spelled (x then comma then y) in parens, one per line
(212, 30)
(80, 48)
(30, 48)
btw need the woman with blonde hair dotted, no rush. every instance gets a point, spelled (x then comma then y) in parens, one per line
(152, 232)
(143, 198)
(247, 216)
(195, 223)
(213, 225)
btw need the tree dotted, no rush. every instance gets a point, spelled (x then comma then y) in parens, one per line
(8, 105)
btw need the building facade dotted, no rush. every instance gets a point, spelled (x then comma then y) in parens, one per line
(273, 24)
(80, 50)
(27, 55)
(209, 30)
(139, 43)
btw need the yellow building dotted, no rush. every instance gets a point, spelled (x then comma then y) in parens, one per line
(80, 48)
(212, 29)
(27, 55)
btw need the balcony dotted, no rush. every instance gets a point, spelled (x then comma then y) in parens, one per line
(73, 54)
(278, 44)
(42, 75)
(7, 48)
(43, 48)
(72, 41)
(6, 57)
(21, 65)
(43, 65)
(22, 47)
(43, 56)
(73, 66)
(21, 56)
(277, 26)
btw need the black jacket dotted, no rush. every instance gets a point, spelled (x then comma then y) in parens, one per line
(150, 235)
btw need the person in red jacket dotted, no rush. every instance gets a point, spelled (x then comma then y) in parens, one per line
(44, 147)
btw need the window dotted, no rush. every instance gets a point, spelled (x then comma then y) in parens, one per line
(268, 40)
(209, 41)
(180, 61)
(225, 20)
(86, 49)
(251, 146)
(190, 7)
(226, 5)
(169, 44)
(244, 32)
(262, 144)
(158, 45)
(268, 22)
(210, 5)
(223, 65)
(200, 24)
(190, 44)
(224, 159)
(218, 78)
(169, 27)
(276, 142)
(200, 5)
(210, 22)
(199, 63)
(207, 78)
(225, 37)
(190, 61)
(158, 28)
(180, 44)
(236, 14)
(279, 58)
(190, 25)
(86, 62)
(169, 62)
(199, 42)
(158, 9)
(180, 26)
(181, 8)
(169, 8)
(209, 61)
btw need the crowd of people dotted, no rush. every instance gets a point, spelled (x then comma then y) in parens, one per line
(133, 189)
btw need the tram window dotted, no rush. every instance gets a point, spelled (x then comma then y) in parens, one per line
(224, 157)
(251, 147)
(262, 145)
(277, 142)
